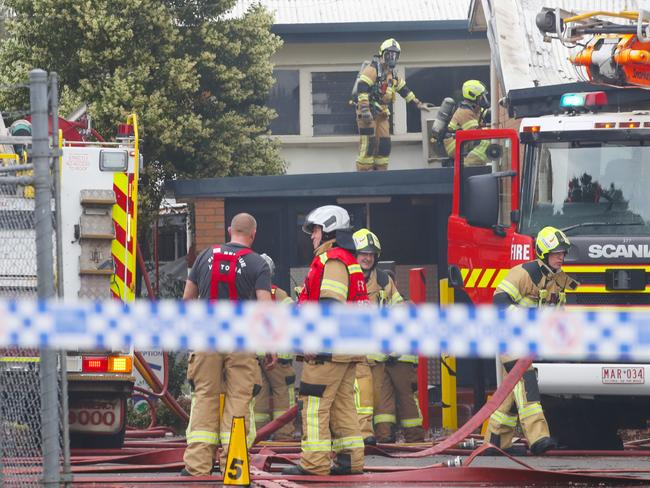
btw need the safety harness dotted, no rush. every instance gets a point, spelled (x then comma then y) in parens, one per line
(223, 284)
(357, 291)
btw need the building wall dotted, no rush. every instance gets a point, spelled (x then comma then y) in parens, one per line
(210, 223)
(306, 153)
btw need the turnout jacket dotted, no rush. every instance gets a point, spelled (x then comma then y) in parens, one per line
(533, 284)
(377, 87)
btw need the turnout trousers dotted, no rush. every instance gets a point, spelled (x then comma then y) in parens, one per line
(276, 397)
(210, 373)
(397, 398)
(363, 398)
(329, 418)
(523, 405)
(374, 144)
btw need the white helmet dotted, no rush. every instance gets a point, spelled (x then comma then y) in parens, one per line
(269, 261)
(330, 217)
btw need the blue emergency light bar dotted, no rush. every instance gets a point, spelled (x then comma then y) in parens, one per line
(583, 100)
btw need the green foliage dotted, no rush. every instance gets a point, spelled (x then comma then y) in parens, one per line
(197, 79)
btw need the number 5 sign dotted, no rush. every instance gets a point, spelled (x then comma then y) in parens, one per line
(237, 470)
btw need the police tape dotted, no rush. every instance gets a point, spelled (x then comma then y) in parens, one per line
(348, 329)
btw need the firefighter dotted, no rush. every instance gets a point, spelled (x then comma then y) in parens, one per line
(278, 383)
(394, 378)
(536, 283)
(375, 90)
(230, 271)
(470, 114)
(329, 420)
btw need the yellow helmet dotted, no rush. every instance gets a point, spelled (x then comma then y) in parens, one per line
(473, 89)
(366, 241)
(549, 240)
(389, 52)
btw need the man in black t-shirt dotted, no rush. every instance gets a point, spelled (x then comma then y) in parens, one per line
(230, 271)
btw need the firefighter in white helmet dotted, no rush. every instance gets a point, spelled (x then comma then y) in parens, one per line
(329, 419)
(537, 283)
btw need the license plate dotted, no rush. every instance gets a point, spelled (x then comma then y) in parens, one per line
(623, 375)
(101, 416)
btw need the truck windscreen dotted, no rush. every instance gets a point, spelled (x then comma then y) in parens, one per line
(588, 188)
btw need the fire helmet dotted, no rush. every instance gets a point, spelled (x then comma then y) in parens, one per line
(330, 217)
(389, 52)
(549, 240)
(366, 241)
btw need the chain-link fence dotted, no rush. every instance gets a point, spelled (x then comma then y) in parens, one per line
(31, 387)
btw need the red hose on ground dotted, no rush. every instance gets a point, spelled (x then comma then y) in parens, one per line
(276, 424)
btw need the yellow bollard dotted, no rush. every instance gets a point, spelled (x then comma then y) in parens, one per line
(237, 470)
(448, 370)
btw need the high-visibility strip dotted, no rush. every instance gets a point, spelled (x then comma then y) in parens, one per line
(204, 436)
(354, 268)
(366, 79)
(530, 410)
(343, 443)
(511, 290)
(473, 277)
(385, 417)
(334, 286)
(406, 423)
(313, 434)
(317, 446)
(123, 246)
(503, 419)
(262, 417)
(485, 279)
(410, 97)
(396, 298)
(464, 272)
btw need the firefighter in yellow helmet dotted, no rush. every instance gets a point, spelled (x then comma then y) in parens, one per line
(394, 378)
(373, 93)
(278, 383)
(536, 283)
(470, 114)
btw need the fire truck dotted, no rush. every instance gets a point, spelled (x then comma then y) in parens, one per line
(584, 170)
(98, 183)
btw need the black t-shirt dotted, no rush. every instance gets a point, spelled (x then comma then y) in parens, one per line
(252, 273)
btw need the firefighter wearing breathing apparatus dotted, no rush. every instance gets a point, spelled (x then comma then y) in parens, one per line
(470, 114)
(388, 383)
(373, 92)
(537, 283)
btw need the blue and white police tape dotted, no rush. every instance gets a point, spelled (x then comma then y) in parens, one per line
(426, 329)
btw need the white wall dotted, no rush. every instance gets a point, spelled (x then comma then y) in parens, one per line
(305, 153)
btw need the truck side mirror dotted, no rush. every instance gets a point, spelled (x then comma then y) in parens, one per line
(455, 276)
(482, 208)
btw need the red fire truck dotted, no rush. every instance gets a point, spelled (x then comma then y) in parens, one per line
(585, 170)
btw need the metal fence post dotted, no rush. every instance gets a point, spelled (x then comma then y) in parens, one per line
(417, 294)
(45, 271)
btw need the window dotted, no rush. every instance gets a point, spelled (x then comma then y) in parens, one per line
(433, 84)
(332, 112)
(284, 98)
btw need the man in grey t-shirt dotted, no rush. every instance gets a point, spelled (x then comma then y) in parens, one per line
(251, 280)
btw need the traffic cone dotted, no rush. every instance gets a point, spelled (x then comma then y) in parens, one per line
(237, 470)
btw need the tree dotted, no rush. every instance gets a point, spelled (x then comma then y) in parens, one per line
(197, 78)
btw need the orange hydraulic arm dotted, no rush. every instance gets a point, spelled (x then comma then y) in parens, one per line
(617, 52)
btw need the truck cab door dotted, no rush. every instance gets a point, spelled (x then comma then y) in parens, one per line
(484, 210)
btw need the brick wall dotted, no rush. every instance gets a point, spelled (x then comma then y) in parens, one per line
(209, 216)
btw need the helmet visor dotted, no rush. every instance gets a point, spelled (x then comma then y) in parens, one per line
(390, 58)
